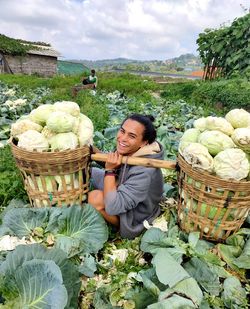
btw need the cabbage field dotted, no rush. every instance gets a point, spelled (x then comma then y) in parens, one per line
(69, 257)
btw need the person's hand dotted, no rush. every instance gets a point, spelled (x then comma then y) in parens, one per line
(114, 160)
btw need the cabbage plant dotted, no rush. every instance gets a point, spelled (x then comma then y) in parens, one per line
(33, 276)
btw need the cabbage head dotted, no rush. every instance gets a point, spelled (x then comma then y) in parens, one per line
(47, 133)
(85, 136)
(32, 140)
(40, 185)
(63, 141)
(201, 124)
(241, 138)
(85, 131)
(231, 164)
(76, 125)
(86, 122)
(38, 181)
(239, 118)
(68, 107)
(23, 125)
(198, 156)
(220, 124)
(203, 210)
(69, 180)
(215, 141)
(189, 136)
(60, 122)
(41, 113)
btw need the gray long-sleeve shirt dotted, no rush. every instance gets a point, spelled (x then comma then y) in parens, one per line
(137, 197)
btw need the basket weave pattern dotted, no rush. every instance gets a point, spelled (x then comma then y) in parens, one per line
(71, 168)
(213, 206)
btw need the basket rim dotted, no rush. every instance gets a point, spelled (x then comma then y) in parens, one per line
(44, 153)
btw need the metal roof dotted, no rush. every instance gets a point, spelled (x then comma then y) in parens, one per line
(44, 51)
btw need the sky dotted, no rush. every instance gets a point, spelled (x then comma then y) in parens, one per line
(108, 29)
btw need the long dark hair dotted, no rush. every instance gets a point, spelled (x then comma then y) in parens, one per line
(149, 133)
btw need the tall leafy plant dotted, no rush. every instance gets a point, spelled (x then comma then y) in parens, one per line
(227, 48)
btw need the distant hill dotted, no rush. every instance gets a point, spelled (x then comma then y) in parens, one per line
(104, 62)
(184, 59)
(184, 63)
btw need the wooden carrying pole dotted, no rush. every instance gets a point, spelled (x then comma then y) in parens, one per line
(137, 161)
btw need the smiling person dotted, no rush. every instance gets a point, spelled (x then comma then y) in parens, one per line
(127, 195)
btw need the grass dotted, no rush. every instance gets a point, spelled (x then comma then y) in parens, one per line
(11, 185)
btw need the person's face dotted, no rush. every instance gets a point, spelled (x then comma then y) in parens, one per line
(129, 138)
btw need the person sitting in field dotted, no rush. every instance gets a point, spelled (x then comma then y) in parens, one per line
(91, 79)
(127, 195)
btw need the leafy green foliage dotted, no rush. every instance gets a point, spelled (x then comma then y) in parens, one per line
(75, 229)
(176, 91)
(95, 108)
(12, 46)
(15, 46)
(233, 93)
(38, 282)
(227, 47)
(11, 185)
(30, 269)
(16, 102)
(126, 83)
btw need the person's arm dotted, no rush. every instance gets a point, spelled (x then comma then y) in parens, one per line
(114, 160)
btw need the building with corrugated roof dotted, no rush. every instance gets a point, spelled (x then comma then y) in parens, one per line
(38, 59)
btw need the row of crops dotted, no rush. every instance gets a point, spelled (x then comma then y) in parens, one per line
(70, 258)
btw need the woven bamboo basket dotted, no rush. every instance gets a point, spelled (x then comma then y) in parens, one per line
(215, 207)
(54, 178)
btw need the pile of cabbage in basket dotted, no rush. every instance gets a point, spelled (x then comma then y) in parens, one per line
(53, 127)
(220, 146)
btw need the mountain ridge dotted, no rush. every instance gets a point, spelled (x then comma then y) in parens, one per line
(183, 59)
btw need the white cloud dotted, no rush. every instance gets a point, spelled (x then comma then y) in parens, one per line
(100, 29)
